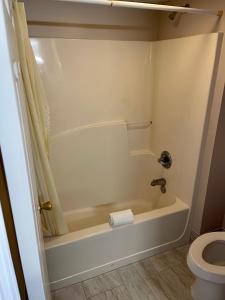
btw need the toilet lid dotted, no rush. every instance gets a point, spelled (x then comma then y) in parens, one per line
(198, 265)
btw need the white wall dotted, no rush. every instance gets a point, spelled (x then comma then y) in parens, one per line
(183, 70)
(74, 20)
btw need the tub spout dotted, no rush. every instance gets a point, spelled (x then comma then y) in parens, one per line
(161, 182)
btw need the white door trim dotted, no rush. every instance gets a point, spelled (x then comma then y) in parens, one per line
(17, 158)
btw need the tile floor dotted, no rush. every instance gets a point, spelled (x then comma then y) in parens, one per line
(164, 276)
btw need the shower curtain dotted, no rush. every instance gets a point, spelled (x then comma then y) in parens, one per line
(38, 119)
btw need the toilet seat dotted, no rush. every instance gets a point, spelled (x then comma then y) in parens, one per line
(198, 265)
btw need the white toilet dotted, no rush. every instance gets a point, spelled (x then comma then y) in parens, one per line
(206, 260)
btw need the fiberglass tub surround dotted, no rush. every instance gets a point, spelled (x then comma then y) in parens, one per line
(115, 106)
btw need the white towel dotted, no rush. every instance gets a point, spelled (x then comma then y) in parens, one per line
(120, 218)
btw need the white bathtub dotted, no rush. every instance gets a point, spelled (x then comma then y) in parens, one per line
(82, 254)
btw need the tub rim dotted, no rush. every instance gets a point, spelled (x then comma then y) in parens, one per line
(76, 236)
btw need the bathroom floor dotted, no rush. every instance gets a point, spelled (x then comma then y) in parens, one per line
(163, 276)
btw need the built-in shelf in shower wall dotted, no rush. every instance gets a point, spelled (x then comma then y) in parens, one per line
(139, 139)
(139, 135)
(138, 125)
(141, 152)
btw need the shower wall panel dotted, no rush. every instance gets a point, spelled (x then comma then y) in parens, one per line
(90, 81)
(183, 73)
(95, 88)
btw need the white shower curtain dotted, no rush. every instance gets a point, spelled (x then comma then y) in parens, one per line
(37, 111)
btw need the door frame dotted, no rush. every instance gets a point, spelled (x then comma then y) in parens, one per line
(18, 164)
(8, 284)
(10, 231)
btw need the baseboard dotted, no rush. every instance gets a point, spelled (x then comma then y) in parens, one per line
(194, 235)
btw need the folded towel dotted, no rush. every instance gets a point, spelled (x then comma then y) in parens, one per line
(120, 218)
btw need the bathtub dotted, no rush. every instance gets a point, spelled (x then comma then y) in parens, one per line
(99, 169)
(90, 251)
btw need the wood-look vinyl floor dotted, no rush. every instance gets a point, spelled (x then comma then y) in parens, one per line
(160, 277)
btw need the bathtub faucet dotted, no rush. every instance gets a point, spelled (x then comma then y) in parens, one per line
(161, 182)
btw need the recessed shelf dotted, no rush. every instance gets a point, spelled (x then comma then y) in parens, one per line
(138, 125)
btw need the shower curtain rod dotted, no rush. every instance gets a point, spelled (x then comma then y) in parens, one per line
(150, 6)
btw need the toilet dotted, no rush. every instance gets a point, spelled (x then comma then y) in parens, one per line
(206, 260)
